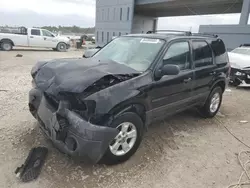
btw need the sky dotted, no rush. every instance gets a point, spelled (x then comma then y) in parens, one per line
(31, 13)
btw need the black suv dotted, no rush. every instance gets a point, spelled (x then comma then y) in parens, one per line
(98, 108)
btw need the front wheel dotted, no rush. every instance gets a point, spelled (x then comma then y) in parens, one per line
(126, 143)
(213, 103)
(61, 47)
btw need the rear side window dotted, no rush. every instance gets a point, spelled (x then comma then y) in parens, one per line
(218, 47)
(202, 54)
(178, 54)
(35, 32)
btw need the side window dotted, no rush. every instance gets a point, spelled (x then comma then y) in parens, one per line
(107, 36)
(202, 54)
(218, 47)
(108, 14)
(120, 14)
(47, 33)
(35, 32)
(178, 54)
(128, 12)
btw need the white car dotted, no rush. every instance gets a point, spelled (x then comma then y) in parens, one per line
(34, 37)
(240, 65)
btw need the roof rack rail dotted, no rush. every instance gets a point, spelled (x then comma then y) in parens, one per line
(247, 45)
(205, 34)
(188, 33)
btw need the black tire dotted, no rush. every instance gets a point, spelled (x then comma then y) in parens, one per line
(6, 45)
(206, 110)
(109, 158)
(235, 83)
(61, 47)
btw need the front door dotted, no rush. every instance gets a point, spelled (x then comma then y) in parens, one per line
(171, 94)
(49, 40)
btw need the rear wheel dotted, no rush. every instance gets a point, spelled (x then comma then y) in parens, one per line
(6, 45)
(126, 143)
(61, 47)
(213, 103)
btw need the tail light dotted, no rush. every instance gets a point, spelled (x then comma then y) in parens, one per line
(229, 69)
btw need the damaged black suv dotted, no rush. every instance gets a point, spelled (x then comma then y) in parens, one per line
(98, 108)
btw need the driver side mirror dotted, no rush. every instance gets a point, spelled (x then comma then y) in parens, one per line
(169, 69)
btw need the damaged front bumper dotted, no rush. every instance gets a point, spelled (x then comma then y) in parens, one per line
(239, 76)
(69, 132)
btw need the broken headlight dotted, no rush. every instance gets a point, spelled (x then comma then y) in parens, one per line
(73, 99)
(86, 109)
(239, 73)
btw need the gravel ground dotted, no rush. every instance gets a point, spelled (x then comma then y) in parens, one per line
(182, 151)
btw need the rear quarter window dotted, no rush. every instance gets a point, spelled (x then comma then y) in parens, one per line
(220, 52)
(218, 47)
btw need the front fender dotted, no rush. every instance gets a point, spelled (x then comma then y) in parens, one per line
(109, 98)
(127, 92)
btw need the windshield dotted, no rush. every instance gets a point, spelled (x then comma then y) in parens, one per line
(135, 52)
(244, 51)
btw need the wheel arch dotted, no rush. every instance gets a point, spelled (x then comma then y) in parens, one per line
(221, 83)
(60, 43)
(136, 107)
(7, 40)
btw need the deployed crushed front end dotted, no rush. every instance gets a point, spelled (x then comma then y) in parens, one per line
(67, 102)
(68, 130)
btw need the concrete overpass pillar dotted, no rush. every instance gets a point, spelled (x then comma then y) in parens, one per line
(245, 12)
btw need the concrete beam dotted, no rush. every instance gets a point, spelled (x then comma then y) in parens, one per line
(245, 12)
(232, 35)
(141, 2)
(185, 11)
(189, 7)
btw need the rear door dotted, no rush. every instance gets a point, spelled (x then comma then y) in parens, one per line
(35, 38)
(205, 69)
(171, 94)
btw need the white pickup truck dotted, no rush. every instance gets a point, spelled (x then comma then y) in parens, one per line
(34, 37)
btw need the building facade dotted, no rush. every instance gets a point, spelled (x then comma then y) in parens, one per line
(233, 35)
(121, 17)
(117, 17)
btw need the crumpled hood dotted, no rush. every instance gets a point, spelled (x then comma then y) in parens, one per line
(74, 75)
(239, 61)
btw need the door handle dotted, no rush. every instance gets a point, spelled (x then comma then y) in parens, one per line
(31, 37)
(212, 73)
(187, 80)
